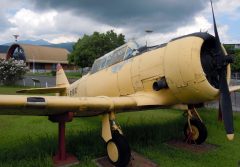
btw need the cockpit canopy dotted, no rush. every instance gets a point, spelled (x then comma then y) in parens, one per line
(121, 53)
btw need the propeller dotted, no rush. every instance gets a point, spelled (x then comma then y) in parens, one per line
(225, 103)
(220, 114)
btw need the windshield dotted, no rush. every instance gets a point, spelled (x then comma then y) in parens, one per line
(119, 54)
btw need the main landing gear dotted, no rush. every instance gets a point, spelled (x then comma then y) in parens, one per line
(194, 130)
(118, 150)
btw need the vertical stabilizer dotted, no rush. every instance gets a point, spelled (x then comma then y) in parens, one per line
(61, 79)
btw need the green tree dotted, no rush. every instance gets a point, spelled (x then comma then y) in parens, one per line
(11, 71)
(235, 66)
(90, 47)
(229, 48)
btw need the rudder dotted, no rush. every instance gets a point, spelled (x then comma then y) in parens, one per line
(61, 79)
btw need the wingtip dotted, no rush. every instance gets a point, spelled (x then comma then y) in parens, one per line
(230, 136)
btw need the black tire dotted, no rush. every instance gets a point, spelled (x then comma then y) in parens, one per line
(199, 132)
(122, 148)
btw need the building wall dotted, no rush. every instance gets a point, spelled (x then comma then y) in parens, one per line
(3, 56)
(47, 67)
(237, 46)
(44, 58)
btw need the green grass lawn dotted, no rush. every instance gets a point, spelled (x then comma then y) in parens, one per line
(27, 141)
(10, 90)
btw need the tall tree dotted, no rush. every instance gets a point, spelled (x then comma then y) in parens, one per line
(235, 66)
(90, 47)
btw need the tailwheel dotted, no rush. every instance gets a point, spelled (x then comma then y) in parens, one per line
(198, 134)
(118, 150)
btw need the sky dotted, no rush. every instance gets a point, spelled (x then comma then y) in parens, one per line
(59, 21)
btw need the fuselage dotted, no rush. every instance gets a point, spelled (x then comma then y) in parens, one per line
(177, 62)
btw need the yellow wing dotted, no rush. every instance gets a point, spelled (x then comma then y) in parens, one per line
(234, 88)
(51, 105)
(81, 106)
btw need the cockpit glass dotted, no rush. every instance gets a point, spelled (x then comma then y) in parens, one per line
(116, 56)
(128, 53)
(124, 52)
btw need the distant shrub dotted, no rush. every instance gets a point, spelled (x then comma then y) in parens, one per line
(11, 71)
(53, 72)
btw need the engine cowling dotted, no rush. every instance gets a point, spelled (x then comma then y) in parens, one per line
(188, 65)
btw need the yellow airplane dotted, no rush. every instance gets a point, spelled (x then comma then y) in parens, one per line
(183, 73)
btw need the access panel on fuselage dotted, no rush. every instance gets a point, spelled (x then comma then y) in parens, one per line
(135, 73)
(123, 70)
(151, 67)
(102, 83)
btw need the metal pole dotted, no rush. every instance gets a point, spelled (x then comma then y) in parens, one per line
(148, 32)
(61, 139)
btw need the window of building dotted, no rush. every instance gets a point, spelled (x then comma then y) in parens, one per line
(54, 67)
(40, 66)
(18, 54)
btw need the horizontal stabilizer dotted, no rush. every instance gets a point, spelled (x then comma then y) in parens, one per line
(43, 90)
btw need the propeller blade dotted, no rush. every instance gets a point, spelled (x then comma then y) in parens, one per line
(226, 105)
(220, 118)
(215, 27)
(225, 98)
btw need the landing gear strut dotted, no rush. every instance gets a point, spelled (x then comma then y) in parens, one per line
(62, 158)
(118, 150)
(194, 130)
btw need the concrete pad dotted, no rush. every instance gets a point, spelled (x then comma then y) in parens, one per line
(205, 147)
(137, 160)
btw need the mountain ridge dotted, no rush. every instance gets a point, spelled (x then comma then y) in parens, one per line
(40, 42)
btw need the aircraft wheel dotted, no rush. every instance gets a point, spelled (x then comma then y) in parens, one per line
(199, 132)
(118, 150)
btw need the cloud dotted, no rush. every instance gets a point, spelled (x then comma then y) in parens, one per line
(29, 25)
(230, 8)
(63, 21)
(200, 23)
(137, 15)
(52, 25)
(26, 20)
(227, 18)
(66, 21)
(4, 23)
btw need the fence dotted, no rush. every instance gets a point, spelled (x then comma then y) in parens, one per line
(40, 81)
(235, 96)
(236, 76)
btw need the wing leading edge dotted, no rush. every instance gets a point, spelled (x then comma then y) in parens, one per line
(234, 88)
(52, 105)
(81, 106)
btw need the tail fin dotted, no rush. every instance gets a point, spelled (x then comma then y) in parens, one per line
(61, 79)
